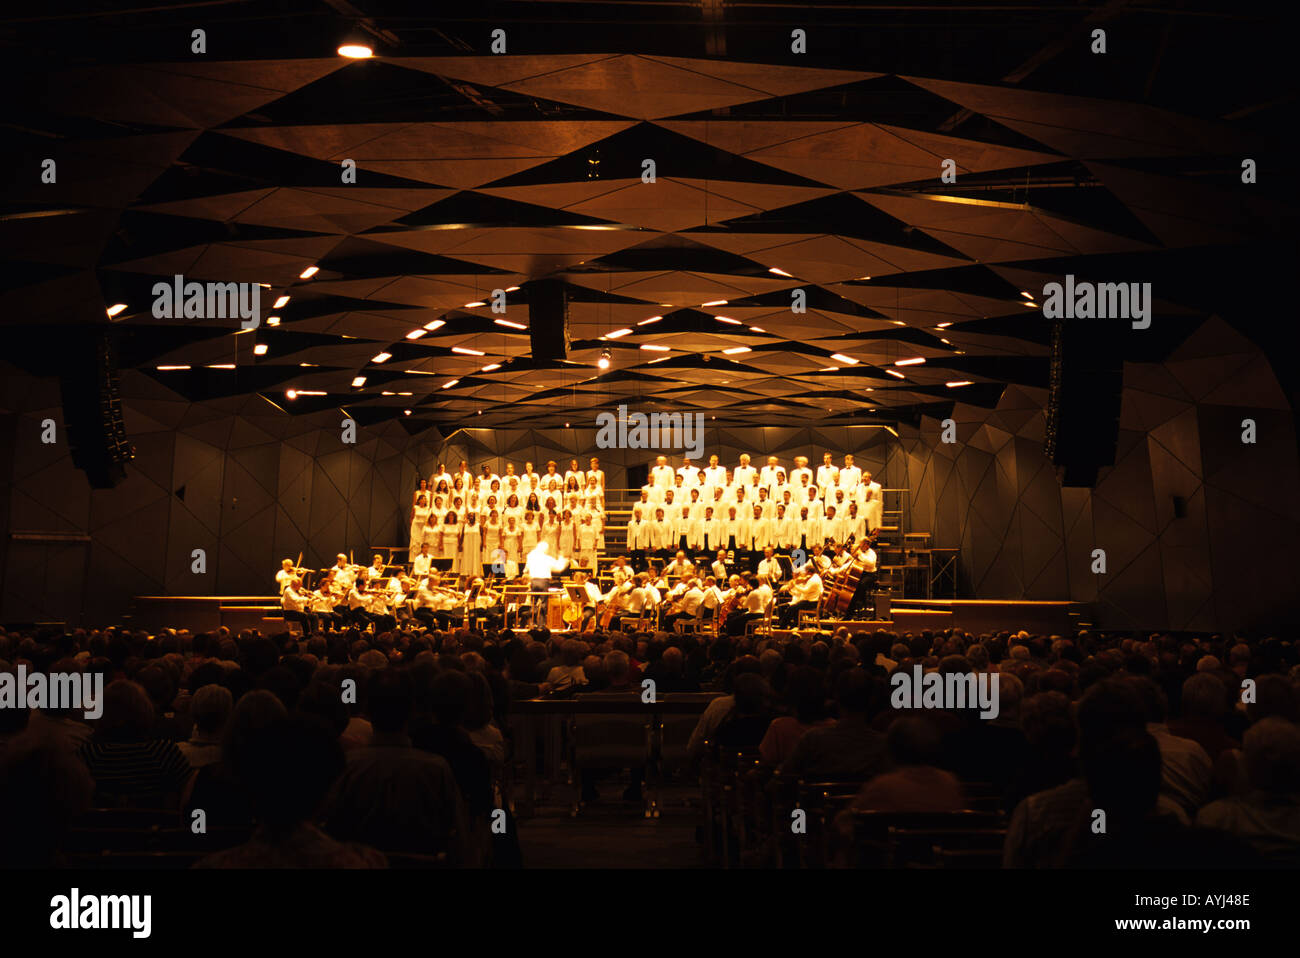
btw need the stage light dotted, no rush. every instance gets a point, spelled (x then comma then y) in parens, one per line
(309, 272)
(603, 362)
(358, 382)
(290, 394)
(381, 357)
(406, 412)
(356, 51)
(280, 303)
(259, 349)
(115, 309)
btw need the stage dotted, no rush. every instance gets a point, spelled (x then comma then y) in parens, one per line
(262, 612)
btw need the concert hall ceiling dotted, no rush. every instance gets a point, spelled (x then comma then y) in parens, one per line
(773, 172)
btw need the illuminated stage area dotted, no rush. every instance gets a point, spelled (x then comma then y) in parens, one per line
(706, 436)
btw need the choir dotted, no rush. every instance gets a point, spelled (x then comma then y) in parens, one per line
(704, 524)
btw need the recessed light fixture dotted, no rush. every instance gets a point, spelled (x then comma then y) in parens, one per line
(737, 349)
(116, 308)
(406, 412)
(169, 369)
(512, 325)
(491, 366)
(652, 319)
(472, 305)
(259, 349)
(943, 326)
(280, 303)
(358, 382)
(309, 272)
(778, 272)
(757, 329)
(273, 320)
(1030, 304)
(655, 349)
(617, 334)
(511, 289)
(846, 360)
(416, 333)
(436, 324)
(715, 302)
(914, 361)
(829, 369)
(449, 383)
(959, 382)
(603, 362)
(312, 392)
(356, 51)
(728, 319)
(466, 351)
(222, 366)
(899, 322)
(381, 357)
(291, 394)
(895, 373)
(1026, 295)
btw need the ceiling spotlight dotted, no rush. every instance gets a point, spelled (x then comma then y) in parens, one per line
(356, 51)
(406, 412)
(291, 394)
(566, 425)
(603, 362)
(115, 309)
(309, 272)
(259, 349)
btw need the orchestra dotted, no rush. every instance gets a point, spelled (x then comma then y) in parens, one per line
(730, 545)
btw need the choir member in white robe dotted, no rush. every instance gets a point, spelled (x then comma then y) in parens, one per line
(714, 475)
(587, 537)
(767, 475)
(567, 545)
(800, 471)
(850, 476)
(510, 537)
(745, 474)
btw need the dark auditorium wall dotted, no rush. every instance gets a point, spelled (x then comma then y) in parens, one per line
(237, 478)
(1227, 563)
(251, 485)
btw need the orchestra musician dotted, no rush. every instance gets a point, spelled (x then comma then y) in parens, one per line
(296, 608)
(805, 592)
